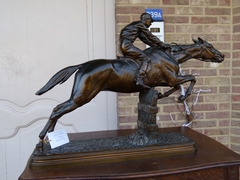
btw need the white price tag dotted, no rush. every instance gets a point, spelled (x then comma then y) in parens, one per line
(58, 138)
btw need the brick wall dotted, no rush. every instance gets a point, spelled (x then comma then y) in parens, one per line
(216, 21)
(235, 123)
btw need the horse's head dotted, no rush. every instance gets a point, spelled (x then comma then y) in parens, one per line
(209, 53)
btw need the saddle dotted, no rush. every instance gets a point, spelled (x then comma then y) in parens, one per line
(130, 60)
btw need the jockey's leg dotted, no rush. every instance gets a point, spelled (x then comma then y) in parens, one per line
(142, 73)
(130, 50)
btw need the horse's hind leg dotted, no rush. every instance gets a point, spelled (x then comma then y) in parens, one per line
(76, 100)
(57, 112)
(56, 109)
(84, 90)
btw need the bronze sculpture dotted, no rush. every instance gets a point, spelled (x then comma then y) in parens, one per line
(118, 75)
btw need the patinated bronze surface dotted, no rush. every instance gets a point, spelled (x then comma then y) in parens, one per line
(118, 75)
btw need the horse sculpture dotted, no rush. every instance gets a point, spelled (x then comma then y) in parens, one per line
(118, 75)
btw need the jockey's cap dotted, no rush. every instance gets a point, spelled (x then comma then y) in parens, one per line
(145, 16)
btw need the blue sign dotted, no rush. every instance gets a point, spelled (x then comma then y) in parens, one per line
(155, 13)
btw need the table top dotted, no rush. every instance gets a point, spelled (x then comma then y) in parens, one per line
(210, 154)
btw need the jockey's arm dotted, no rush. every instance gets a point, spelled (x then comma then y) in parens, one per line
(151, 40)
(150, 37)
(144, 39)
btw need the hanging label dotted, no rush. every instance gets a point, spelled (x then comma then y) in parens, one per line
(58, 138)
(155, 13)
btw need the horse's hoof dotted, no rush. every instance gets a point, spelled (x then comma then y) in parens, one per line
(39, 147)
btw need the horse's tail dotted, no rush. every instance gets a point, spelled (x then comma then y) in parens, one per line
(59, 78)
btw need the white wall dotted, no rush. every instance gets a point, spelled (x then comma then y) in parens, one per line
(38, 38)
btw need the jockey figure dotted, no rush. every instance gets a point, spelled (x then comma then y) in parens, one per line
(134, 30)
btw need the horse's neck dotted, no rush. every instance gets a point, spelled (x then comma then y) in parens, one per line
(185, 52)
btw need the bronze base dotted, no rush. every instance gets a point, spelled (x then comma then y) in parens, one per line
(109, 149)
(112, 156)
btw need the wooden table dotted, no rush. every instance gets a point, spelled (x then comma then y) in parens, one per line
(212, 161)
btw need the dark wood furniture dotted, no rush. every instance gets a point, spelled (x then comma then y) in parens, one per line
(212, 161)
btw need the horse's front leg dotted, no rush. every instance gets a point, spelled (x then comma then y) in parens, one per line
(182, 79)
(166, 94)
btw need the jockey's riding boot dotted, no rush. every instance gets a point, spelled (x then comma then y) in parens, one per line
(139, 79)
(142, 73)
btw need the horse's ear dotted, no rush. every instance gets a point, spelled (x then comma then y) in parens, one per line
(200, 40)
(195, 41)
